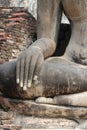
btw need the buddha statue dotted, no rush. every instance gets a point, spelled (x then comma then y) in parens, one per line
(35, 73)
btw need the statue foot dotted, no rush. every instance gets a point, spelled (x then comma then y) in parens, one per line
(78, 99)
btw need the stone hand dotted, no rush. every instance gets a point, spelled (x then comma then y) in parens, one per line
(28, 66)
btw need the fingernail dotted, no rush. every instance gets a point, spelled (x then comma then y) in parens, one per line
(35, 77)
(21, 84)
(29, 84)
(24, 88)
(17, 81)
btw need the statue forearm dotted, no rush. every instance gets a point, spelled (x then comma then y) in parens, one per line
(48, 22)
(48, 18)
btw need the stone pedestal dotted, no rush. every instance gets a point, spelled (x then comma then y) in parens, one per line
(28, 114)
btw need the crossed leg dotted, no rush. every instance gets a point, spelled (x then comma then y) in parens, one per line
(65, 79)
(59, 76)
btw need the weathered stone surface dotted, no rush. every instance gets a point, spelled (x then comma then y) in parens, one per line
(21, 121)
(27, 114)
(40, 123)
(31, 108)
(44, 110)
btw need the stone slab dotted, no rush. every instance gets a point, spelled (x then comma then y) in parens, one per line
(30, 108)
(30, 115)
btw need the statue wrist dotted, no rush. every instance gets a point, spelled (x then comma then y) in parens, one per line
(46, 46)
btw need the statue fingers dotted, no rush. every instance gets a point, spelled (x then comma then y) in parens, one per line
(38, 69)
(27, 66)
(18, 72)
(32, 69)
(22, 72)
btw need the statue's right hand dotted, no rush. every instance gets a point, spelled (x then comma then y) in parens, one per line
(28, 66)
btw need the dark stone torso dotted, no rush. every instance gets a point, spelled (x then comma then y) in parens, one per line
(76, 11)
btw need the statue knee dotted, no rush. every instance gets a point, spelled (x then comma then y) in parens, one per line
(48, 72)
(52, 73)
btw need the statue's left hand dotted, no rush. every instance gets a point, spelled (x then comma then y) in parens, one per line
(28, 68)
